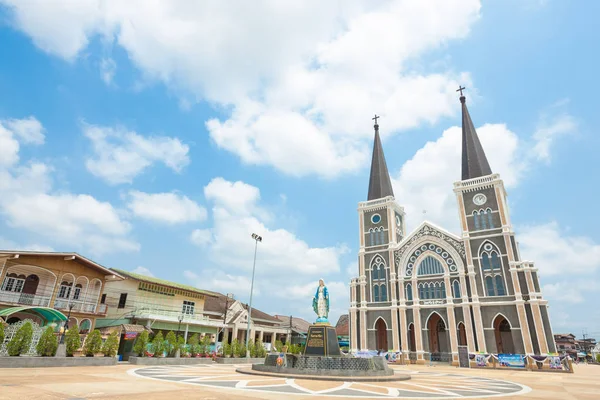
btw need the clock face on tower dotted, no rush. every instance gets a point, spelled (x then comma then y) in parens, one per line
(479, 199)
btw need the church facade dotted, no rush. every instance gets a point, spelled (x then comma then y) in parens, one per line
(430, 291)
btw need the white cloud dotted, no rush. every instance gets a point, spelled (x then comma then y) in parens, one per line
(28, 202)
(425, 181)
(548, 130)
(108, 68)
(142, 271)
(171, 208)
(238, 198)
(29, 130)
(554, 252)
(201, 237)
(219, 281)
(121, 155)
(317, 71)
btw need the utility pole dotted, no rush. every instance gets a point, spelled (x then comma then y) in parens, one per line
(290, 337)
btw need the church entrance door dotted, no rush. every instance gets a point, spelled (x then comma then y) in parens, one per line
(502, 332)
(438, 340)
(381, 331)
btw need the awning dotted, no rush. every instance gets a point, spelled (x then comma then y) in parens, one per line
(49, 314)
(135, 328)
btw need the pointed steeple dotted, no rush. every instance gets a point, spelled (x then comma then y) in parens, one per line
(380, 184)
(474, 161)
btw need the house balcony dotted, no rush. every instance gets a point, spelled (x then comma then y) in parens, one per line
(173, 316)
(79, 306)
(26, 299)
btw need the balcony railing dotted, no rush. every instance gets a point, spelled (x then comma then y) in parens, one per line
(78, 305)
(24, 298)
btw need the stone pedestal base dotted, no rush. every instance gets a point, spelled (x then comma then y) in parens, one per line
(322, 341)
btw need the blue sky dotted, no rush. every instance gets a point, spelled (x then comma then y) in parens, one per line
(157, 138)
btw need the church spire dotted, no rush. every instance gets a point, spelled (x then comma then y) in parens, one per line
(474, 161)
(379, 183)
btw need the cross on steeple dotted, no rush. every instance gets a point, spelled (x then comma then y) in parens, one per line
(375, 118)
(460, 89)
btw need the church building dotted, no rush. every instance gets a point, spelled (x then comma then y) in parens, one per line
(430, 291)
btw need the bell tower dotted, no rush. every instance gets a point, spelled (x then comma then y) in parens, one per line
(381, 227)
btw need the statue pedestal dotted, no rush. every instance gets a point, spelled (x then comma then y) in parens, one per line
(322, 341)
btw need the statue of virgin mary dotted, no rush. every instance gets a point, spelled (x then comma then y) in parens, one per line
(321, 303)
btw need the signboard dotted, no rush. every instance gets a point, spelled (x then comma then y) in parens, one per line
(463, 357)
(130, 335)
(511, 360)
(555, 363)
(480, 360)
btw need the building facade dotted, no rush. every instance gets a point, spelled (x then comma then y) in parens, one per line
(427, 292)
(68, 282)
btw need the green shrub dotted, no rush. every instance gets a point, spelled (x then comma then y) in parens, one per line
(22, 340)
(111, 345)
(241, 351)
(226, 349)
(205, 347)
(158, 345)
(194, 344)
(598, 358)
(48, 343)
(278, 346)
(1, 332)
(235, 348)
(141, 343)
(259, 350)
(171, 343)
(72, 340)
(93, 343)
(251, 347)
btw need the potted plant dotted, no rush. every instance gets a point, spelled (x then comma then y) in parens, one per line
(48, 343)
(111, 345)
(158, 345)
(141, 344)
(93, 344)
(171, 344)
(20, 343)
(73, 340)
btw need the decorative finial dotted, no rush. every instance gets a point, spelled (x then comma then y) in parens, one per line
(375, 119)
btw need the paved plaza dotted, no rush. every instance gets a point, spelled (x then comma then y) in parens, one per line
(222, 382)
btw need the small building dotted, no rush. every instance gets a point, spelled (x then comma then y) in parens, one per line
(34, 283)
(140, 302)
(298, 327)
(567, 344)
(233, 315)
(342, 330)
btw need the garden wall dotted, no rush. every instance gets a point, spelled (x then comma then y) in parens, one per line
(222, 360)
(168, 361)
(40, 362)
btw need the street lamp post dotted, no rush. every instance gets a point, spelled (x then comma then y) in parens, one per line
(62, 338)
(256, 240)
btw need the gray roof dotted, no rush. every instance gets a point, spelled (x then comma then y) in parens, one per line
(474, 161)
(380, 185)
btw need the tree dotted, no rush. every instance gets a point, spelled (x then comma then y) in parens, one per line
(235, 348)
(48, 343)
(111, 345)
(73, 340)
(21, 341)
(226, 349)
(93, 344)
(158, 345)
(181, 346)
(141, 343)
(171, 343)
(205, 349)
(194, 346)
(259, 350)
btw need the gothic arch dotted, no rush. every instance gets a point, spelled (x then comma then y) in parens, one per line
(423, 256)
(383, 319)
(503, 316)
(439, 315)
(407, 253)
(481, 249)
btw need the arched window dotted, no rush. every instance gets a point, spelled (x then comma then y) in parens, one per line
(65, 290)
(375, 273)
(408, 290)
(371, 237)
(495, 261)
(381, 236)
(499, 286)
(489, 285)
(483, 219)
(77, 292)
(430, 266)
(489, 217)
(476, 220)
(376, 293)
(485, 262)
(432, 290)
(456, 289)
(383, 293)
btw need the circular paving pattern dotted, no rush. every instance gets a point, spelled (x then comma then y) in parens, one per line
(429, 385)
